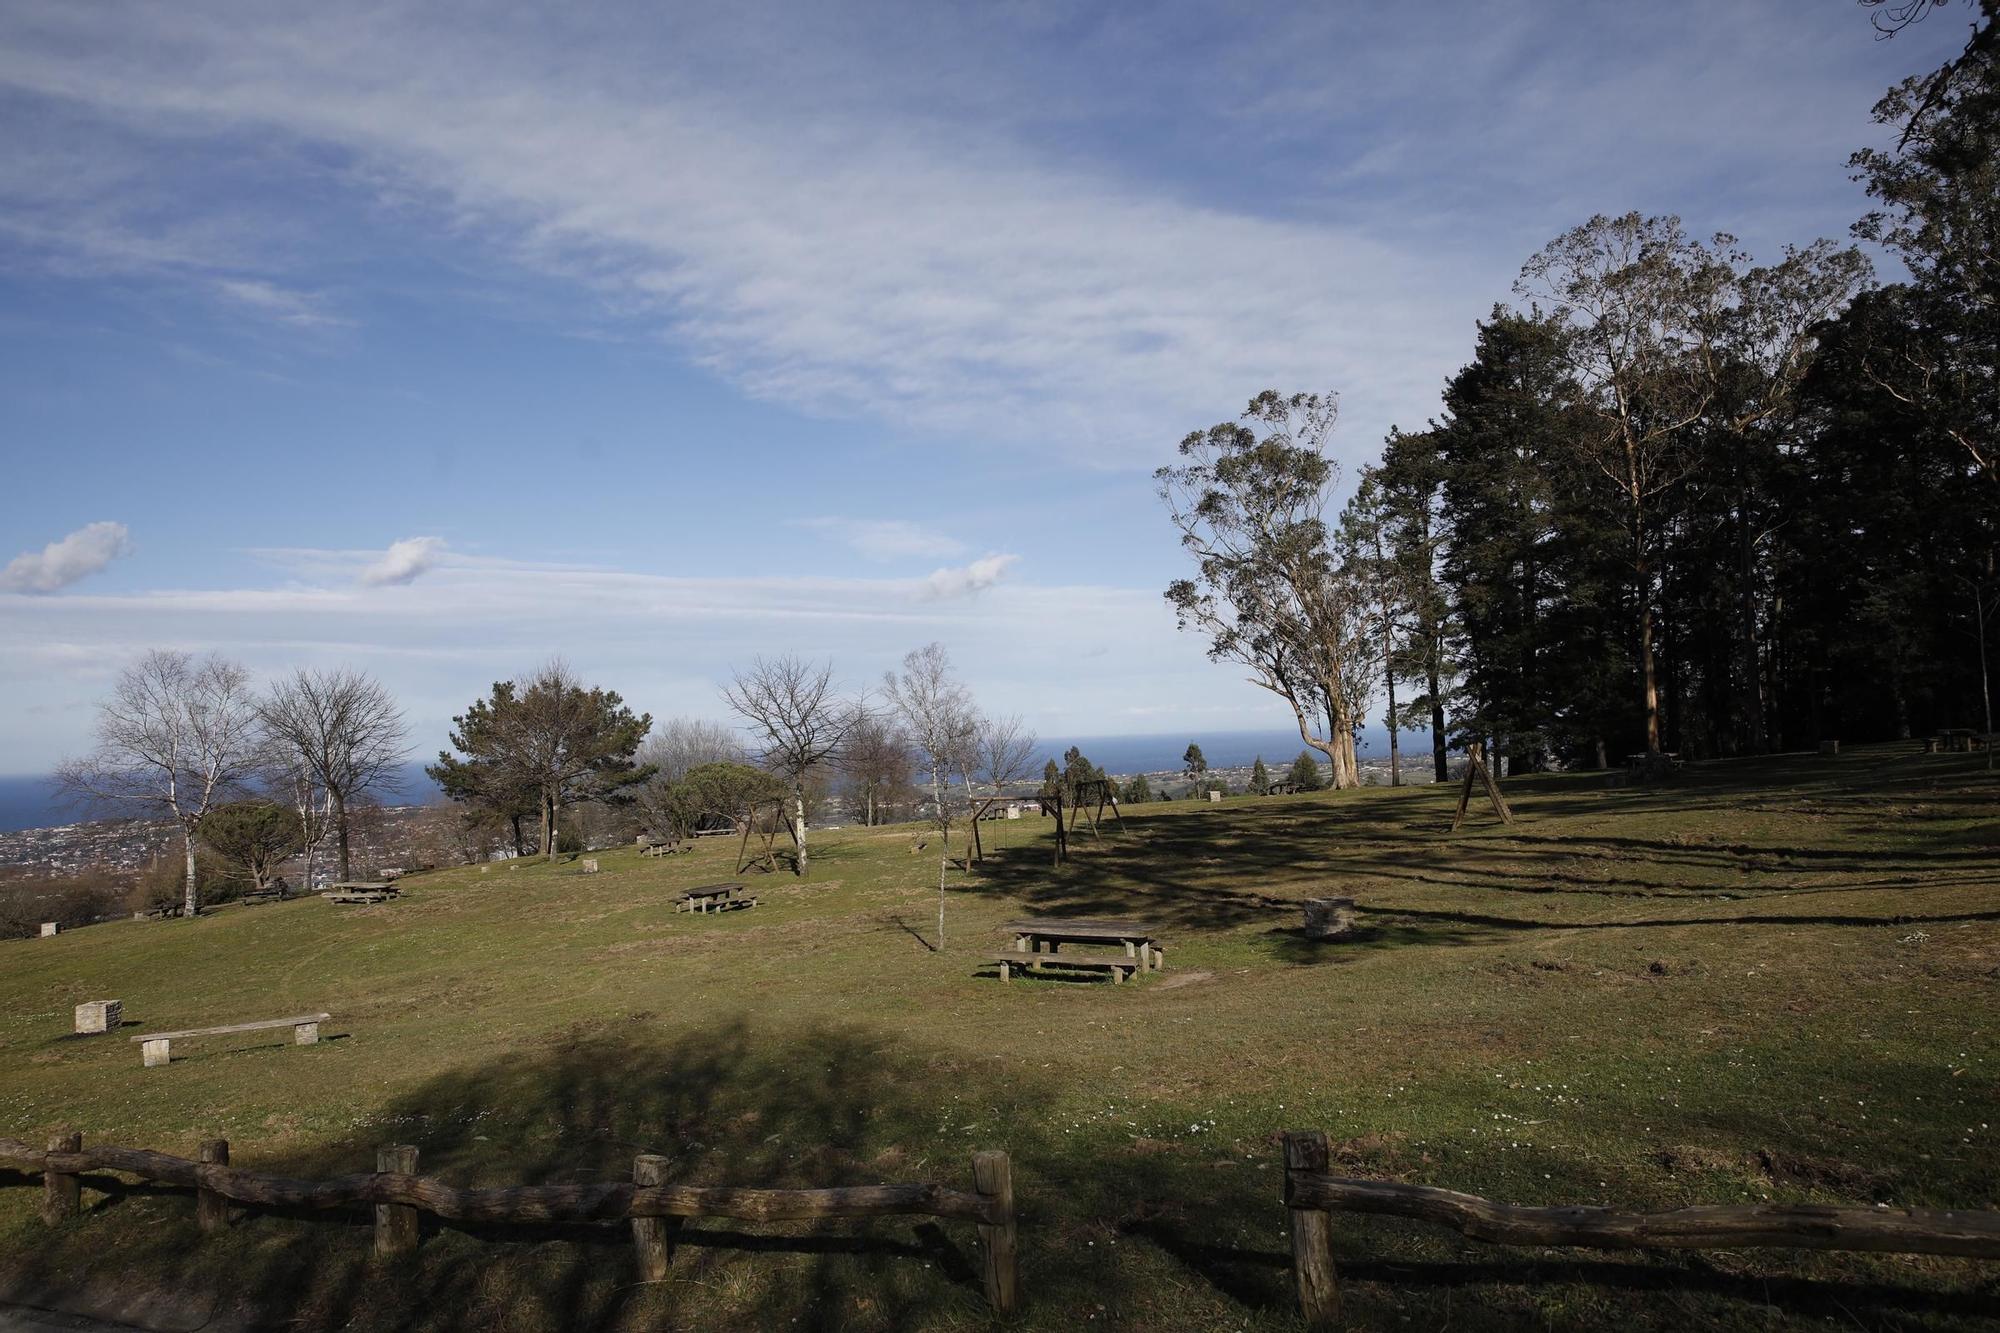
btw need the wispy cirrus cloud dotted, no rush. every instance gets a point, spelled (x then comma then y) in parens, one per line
(886, 538)
(930, 272)
(666, 642)
(298, 309)
(1006, 240)
(88, 550)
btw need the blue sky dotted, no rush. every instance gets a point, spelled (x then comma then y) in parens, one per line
(437, 339)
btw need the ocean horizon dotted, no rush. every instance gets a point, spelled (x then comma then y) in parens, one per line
(31, 801)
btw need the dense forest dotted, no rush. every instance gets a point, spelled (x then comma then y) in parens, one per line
(1679, 500)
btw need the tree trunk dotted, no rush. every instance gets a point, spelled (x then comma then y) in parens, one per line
(192, 891)
(520, 848)
(1753, 676)
(1395, 752)
(944, 852)
(1648, 669)
(1985, 681)
(1642, 568)
(1440, 760)
(799, 830)
(340, 834)
(548, 828)
(1346, 773)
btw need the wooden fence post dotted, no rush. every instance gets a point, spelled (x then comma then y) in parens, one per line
(395, 1223)
(653, 1237)
(211, 1210)
(1312, 1236)
(993, 1179)
(62, 1192)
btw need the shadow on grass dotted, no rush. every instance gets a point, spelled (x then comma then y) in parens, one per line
(809, 1109)
(1256, 1277)
(827, 1105)
(1225, 867)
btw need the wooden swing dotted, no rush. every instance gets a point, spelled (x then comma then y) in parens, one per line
(766, 859)
(1477, 771)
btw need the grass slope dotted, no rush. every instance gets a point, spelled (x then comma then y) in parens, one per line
(1770, 979)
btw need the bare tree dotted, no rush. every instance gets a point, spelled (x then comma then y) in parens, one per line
(1003, 750)
(177, 735)
(876, 764)
(676, 748)
(347, 736)
(937, 714)
(800, 721)
(681, 744)
(287, 778)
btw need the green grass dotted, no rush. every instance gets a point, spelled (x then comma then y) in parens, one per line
(1766, 980)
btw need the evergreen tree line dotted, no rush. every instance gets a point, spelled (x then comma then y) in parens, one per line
(1682, 501)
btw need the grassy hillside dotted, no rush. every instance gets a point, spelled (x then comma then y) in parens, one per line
(1775, 979)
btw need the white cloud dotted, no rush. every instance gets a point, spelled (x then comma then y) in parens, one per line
(664, 641)
(934, 274)
(404, 561)
(287, 307)
(886, 538)
(966, 580)
(83, 553)
(969, 247)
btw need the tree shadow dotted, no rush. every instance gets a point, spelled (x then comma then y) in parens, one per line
(895, 922)
(730, 1105)
(1250, 864)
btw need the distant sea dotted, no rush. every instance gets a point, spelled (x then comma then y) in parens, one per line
(1126, 755)
(32, 802)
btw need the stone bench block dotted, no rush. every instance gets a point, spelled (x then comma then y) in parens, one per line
(1329, 918)
(100, 1016)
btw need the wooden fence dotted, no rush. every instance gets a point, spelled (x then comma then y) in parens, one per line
(654, 1209)
(1313, 1193)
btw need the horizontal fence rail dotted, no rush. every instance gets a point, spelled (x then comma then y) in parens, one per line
(655, 1210)
(1313, 1194)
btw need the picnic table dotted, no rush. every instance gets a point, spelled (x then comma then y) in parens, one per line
(361, 891)
(1049, 934)
(713, 898)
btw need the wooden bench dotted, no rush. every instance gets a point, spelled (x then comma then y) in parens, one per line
(1119, 966)
(665, 848)
(157, 1047)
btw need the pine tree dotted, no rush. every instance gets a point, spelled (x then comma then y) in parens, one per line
(1305, 772)
(1260, 778)
(1193, 764)
(1411, 477)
